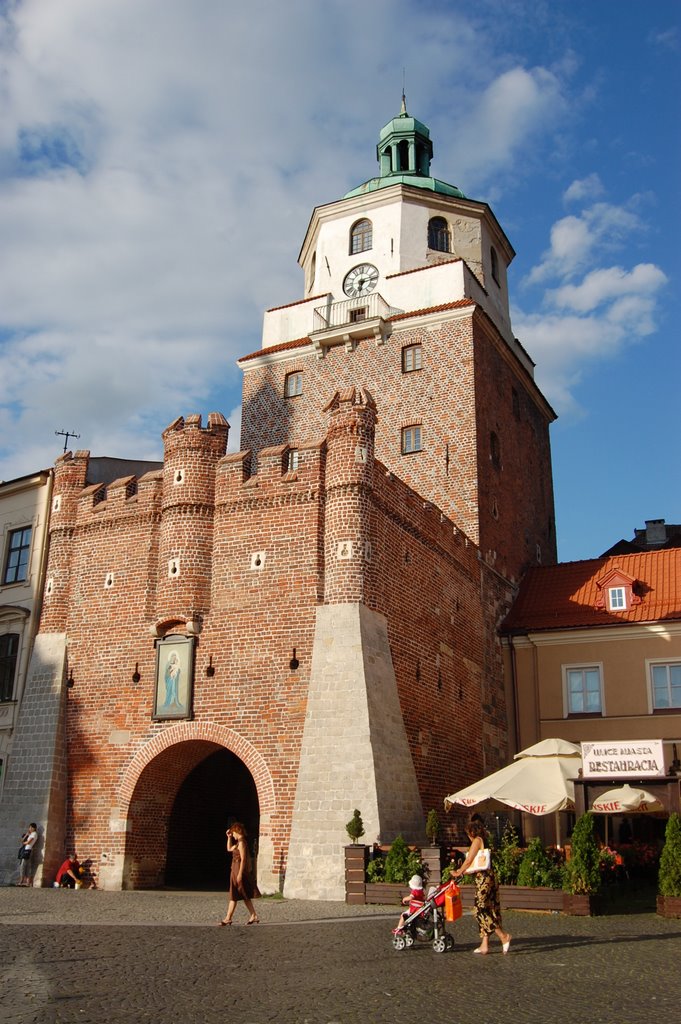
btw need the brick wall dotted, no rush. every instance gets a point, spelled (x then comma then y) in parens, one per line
(463, 393)
(257, 555)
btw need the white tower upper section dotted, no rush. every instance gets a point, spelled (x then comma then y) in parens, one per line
(361, 254)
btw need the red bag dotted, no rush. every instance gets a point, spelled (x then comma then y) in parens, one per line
(453, 904)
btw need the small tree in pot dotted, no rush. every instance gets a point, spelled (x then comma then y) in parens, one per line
(432, 826)
(582, 874)
(355, 827)
(669, 878)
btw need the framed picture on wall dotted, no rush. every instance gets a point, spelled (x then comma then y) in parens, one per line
(174, 678)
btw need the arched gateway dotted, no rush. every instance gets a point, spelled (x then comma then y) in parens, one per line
(176, 798)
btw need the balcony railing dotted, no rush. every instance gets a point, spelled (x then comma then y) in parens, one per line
(351, 312)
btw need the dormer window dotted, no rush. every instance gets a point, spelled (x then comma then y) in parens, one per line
(617, 591)
(438, 234)
(361, 236)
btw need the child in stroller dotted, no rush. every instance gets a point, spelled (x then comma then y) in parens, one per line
(425, 919)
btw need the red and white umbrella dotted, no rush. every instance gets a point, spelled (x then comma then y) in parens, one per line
(627, 800)
(538, 782)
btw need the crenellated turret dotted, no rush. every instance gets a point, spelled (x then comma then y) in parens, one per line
(192, 453)
(349, 475)
(70, 475)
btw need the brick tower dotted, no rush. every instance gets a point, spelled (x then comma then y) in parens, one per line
(406, 292)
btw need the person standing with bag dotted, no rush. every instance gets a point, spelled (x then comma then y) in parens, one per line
(28, 841)
(487, 908)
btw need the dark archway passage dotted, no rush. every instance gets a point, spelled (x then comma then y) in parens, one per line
(218, 791)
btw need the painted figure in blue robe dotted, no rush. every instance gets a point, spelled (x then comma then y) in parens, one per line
(172, 681)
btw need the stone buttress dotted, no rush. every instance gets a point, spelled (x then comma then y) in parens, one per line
(355, 752)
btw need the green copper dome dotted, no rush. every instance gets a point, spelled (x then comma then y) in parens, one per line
(404, 153)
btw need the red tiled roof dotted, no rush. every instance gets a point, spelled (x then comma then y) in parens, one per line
(298, 302)
(565, 595)
(429, 266)
(459, 304)
(298, 343)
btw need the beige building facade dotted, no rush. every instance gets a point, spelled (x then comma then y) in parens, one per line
(24, 516)
(594, 651)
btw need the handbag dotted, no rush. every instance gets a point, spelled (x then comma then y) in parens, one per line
(453, 904)
(481, 862)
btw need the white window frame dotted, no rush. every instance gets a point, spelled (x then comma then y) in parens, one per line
(582, 667)
(9, 533)
(617, 599)
(413, 434)
(293, 384)
(292, 459)
(651, 663)
(413, 354)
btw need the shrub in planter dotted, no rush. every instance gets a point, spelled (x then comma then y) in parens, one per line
(401, 863)
(508, 857)
(376, 870)
(355, 827)
(581, 874)
(537, 869)
(432, 827)
(669, 878)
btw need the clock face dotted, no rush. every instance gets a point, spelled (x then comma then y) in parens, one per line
(360, 280)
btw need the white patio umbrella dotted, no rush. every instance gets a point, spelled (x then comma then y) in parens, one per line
(626, 800)
(538, 782)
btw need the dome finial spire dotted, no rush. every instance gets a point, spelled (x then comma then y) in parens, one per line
(403, 108)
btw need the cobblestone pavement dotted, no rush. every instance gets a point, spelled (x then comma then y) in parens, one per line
(122, 958)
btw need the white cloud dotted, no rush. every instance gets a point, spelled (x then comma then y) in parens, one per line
(158, 165)
(602, 286)
(584, 188)
(513, 108)
(577, 240)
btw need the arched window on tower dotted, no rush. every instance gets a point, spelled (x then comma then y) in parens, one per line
(438, 234)
(495, 264)
(361, 236)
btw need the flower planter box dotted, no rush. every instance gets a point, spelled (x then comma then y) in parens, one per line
(669, 906)
(522, 897)
(385, 892)
(581, 904)
(512, 897)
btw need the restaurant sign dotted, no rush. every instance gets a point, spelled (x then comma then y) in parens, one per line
(622, 758)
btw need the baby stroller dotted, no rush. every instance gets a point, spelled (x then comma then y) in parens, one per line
(427, 923)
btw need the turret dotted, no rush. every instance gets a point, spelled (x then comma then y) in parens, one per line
(192, 453)
(349, 476)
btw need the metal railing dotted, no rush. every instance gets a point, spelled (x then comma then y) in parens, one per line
(351, 311)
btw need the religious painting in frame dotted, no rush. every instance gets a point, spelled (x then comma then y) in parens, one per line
(174, 678)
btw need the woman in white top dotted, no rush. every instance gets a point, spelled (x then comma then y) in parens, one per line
(28, 841)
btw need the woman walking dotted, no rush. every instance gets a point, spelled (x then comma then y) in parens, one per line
(487, 909)
(241, 884)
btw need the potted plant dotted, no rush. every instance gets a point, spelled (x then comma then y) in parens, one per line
(536, 868)
(582, 873)
(669, 877)
(432, 827)
(507, 858)
(355, 827)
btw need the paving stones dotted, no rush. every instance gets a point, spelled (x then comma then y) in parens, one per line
(136, 957)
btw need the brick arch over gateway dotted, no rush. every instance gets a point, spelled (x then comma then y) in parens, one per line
(209, 733)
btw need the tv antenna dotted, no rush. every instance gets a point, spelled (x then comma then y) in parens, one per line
(66, 434)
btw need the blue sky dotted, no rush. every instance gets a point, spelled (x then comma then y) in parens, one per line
(159, 161)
